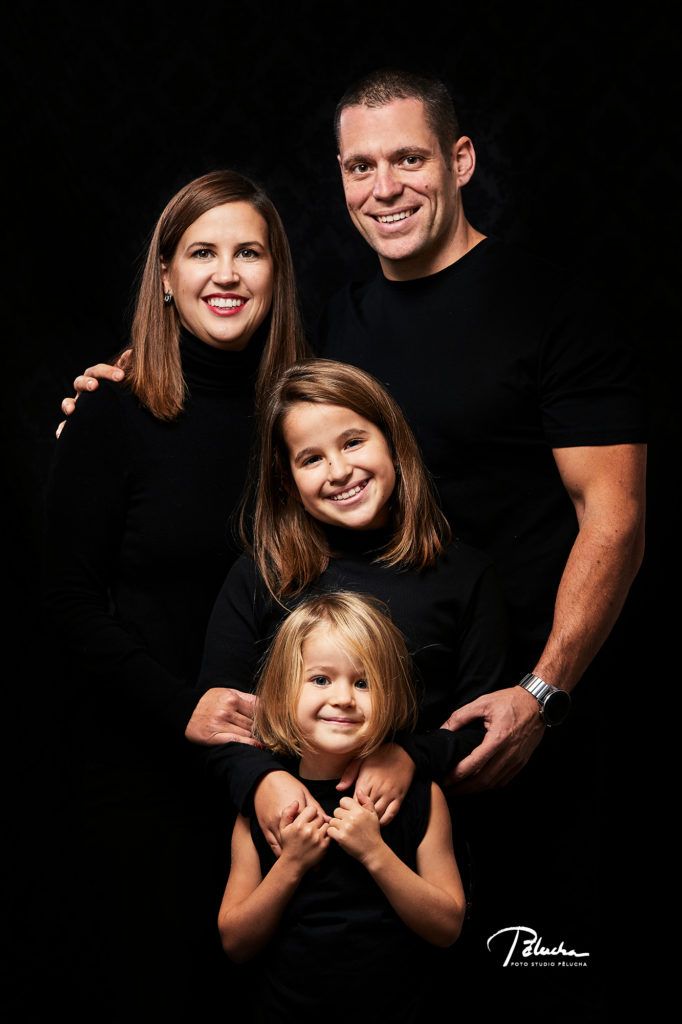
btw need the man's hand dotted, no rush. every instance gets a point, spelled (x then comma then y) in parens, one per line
(88, 381)
(223, 716)
(274, 793)
(513, 730)
(355, 826)
(304, 837)
(385, 776)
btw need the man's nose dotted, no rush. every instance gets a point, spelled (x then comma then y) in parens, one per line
(387, 184)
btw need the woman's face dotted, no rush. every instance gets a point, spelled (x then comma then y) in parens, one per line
(221, 275)
(341, 465)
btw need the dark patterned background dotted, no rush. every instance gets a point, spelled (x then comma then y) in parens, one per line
(113, 109)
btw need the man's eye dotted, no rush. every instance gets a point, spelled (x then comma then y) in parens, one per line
(412, 161)
(360, 168)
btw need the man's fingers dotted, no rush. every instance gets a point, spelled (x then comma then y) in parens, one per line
(464, 715)
(124, 359)
(68, 405)
(235, 719)
(60, 428)
(475, 761)
(273, 842)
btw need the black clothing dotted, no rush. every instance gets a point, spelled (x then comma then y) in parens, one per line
(137, 534)
(496, 360)
(451, 615)
(138, 544)
(340, 947)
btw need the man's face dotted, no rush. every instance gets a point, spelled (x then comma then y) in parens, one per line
(402, 195)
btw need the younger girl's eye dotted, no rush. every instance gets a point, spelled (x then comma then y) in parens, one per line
(320, 680)
(362, 684)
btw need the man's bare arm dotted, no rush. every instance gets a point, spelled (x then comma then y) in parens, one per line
(607, 487)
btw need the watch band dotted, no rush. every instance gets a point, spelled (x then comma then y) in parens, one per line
(554, 703)
(537, 686)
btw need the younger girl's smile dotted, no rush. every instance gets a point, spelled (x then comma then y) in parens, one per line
(341, 465)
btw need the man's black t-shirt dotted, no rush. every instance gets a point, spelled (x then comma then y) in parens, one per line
(496, 360)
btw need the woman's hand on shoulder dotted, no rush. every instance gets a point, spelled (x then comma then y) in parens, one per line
(89, 381)
(385, 776)
(275, 792)
(223, 715)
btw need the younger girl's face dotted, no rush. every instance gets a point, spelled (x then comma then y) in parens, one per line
(335, 703)
(341, 465)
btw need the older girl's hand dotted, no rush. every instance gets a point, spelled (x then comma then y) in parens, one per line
(275, 792)
(385, 776)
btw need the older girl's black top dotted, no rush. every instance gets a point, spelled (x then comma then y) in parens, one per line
(138, 540)
(451, 615)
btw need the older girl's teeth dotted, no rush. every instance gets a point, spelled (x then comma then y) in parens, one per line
(226, 303)
(347, 494)
(391, 217)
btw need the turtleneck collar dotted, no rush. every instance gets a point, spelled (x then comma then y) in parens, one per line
(359, 543)
(215, 369)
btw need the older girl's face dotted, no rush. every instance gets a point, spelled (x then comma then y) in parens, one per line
(221, 275)
(341, 465)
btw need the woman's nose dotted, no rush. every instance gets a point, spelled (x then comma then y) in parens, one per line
(226, 272)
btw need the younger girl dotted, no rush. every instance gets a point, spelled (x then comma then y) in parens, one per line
(343, 502)
(344, 916)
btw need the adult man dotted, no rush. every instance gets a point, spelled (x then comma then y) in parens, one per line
(517, 392)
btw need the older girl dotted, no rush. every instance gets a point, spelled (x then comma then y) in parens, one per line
(343, 502)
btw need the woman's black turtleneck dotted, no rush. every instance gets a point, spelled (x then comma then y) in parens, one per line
(451, 615)
(138, 539)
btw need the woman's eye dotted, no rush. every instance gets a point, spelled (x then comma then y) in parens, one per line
(248, 254)
(201, 254)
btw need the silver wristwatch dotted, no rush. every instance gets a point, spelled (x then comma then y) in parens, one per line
(554, 703)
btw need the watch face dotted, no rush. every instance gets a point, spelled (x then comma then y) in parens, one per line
(556, 707)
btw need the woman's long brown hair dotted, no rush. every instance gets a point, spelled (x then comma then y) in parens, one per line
(155, 374)
(289, 546)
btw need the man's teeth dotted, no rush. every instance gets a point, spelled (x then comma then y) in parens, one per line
(391, 217)
(347, 494)
(226, 303)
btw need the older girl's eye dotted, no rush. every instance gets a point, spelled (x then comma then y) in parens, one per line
(354, 441)
(310, 460)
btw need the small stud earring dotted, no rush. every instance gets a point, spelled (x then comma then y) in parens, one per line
(168, 298)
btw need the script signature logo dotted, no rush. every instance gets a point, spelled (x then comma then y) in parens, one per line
(532, 945)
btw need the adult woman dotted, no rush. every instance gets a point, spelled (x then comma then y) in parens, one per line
(143, 481)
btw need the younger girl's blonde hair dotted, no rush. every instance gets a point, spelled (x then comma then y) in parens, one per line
(363, 628)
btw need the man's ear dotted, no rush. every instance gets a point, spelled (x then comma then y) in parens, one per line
(463, 160)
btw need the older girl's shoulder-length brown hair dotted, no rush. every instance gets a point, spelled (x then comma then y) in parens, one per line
(289, 546)
(155, 374)
(365, 630)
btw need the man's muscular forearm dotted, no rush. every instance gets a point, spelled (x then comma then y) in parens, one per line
(603, 562)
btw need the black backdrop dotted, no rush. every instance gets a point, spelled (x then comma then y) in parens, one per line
(112, 110)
